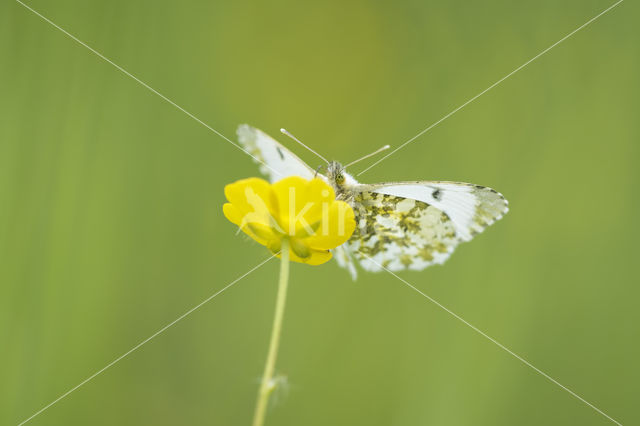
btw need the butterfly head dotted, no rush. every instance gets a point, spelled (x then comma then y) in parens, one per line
(339, 178)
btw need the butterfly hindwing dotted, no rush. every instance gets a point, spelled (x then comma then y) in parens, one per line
(342, 254)
(280, 161)
(399, 233)
(412, 225)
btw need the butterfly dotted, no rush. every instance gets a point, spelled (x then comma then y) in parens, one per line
(399, 225)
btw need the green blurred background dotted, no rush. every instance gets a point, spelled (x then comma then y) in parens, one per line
(111, 220)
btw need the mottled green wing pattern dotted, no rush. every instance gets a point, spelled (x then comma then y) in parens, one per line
(399, 233)
(412, 225)
(470, 207)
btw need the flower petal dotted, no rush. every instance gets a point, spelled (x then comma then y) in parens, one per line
(316, 257)
(338, 224)
(252, 194)
(232, 213)
(300, 203)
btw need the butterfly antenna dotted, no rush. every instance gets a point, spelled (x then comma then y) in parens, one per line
(297, 140)
(384, 148)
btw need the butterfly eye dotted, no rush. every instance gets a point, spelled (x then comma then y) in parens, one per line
(340, 179)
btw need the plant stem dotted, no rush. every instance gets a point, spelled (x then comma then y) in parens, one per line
(267, 385)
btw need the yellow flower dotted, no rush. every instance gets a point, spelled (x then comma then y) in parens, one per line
(305, 212)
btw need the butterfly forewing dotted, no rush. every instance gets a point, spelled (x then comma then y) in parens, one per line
(276, 161)
(471, 208)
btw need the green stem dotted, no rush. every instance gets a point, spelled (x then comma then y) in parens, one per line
(267, 385)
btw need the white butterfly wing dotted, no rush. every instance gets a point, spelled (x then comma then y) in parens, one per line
(342, 254)
(412, 225)
(275, 161)
(470, 207)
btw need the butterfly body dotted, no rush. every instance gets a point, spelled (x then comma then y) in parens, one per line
(399, 225)
(345, 185)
